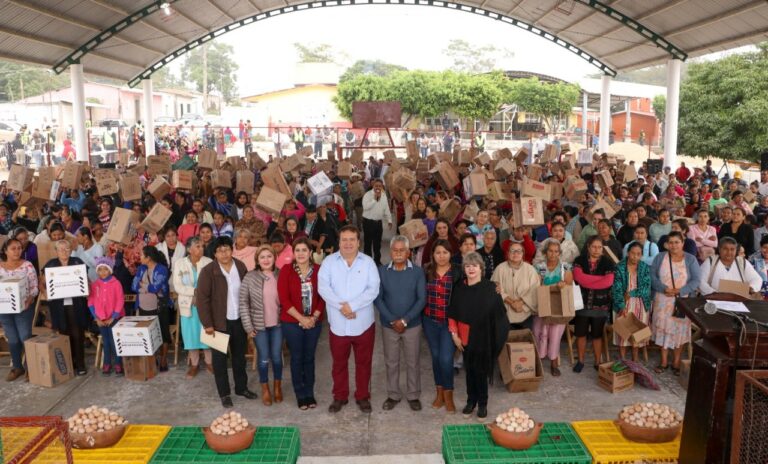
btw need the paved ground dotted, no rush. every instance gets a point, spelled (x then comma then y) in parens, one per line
(171, 399)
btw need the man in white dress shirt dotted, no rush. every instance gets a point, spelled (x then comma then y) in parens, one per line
(349, 281)
(726, 266)
(375, 212)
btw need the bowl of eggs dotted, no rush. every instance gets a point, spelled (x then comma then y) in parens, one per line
(229, 433)
(94, 427)
(649, 423)
(515, 430)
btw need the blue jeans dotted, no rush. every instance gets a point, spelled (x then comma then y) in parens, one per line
(424, 151)
(302, 345)
(108, 345)
(269, 345)
(18, 328)
(441, 348)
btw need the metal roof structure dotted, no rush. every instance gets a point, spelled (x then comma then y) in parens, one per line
(131, 39)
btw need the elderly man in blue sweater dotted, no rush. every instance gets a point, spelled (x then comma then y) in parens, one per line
(401, 300)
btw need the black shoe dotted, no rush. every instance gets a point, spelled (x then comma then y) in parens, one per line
(389, 404)
(303, 404)
(365, 406)
(336, 406)
(311, 402)
(415, 405)
(226, 401)
(247, 394)
(482, 412)
(578, 367)
(467, 411)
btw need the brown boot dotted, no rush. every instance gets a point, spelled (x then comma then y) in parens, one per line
(192, 372)
(266, 397)
(439, 400)
(448, 398)
(14, 374)
(278, 389)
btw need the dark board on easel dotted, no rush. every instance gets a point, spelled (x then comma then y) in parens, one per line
(376, 114)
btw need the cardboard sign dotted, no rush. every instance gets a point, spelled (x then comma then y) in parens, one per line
(159, 188)
(221, 178)
(206, 159)
(19, 178)
(632, 329)
(604, 179)
(735, 287)
(159, 165)
(183, 180)
(446, 175)
(244, 182)
(532, 188)
(156, 219)
(130, 187)
(271, 200)
(475, 185)
(122, 226)
(13, 294)
(66, 282)
(574, 187)
(49, 360)
(504, 168)
(320, 184)
(556, 306)
(516, 372)
(344, 169)
(137, 335)
(255, 162)
(529, 211)
(412, 149)
(416, 232)
(273, 178)
(356, 157)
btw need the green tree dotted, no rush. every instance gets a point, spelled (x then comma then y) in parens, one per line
(221, 70)
(660, 107)
(321, 53)
(474, 58)
(18, 81)
(360, 88)
(724, 107)
(547, 100)
(370, 67)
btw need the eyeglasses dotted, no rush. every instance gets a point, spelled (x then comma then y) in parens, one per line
(516, 252)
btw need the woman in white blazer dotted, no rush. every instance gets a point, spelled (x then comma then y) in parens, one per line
(172, 250)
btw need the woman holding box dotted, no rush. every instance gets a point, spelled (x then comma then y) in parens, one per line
(631, 293)
(151, 287)
(18, 327)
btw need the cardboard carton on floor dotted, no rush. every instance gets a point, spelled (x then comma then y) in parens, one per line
(137, 335)
(141, 368)
(615, 382)
(556, 306)
(519, 362)
(13, 294)
(632, 329)
(49, 360)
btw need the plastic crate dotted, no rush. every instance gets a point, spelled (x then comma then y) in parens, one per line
(273, 445)
(558, 444)
(608, 446)
(14, 439)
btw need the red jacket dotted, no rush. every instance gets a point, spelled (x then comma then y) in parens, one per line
(289, 291)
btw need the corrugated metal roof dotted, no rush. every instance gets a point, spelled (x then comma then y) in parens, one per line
(619, 34)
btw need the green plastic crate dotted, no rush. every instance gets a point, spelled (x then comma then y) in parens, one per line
(558, 444)
(271, 445)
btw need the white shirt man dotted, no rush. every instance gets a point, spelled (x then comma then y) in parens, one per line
(375, 213)
(739, 270)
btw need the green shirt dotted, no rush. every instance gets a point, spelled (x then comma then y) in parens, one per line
(713, 203)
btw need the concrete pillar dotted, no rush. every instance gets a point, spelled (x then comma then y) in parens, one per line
(78, 111)
(584, 115)
(605, 113)
(149, 125)
(628, 124)
(673, 109)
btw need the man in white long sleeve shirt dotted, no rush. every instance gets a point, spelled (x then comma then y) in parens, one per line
(727, 266)
(375, 212)
(349, 283)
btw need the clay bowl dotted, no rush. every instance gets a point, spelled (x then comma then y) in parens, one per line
(97, 440)
(515, 440)
(228, 444)
(647, 435)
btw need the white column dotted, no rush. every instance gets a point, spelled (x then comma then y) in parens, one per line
(628, 121)
(149, 125)
(584, 115)
(78, 111)
(605, 113)
(673, 109)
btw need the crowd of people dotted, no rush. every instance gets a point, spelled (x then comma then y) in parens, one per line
(227, 266)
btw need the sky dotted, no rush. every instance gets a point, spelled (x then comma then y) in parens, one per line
(411, 36)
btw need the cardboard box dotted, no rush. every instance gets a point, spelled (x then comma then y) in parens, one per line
(389, 156)
(255, 162)
(13, 294)
(605, 206)
(450, 209)
(19, 178)
(516, 372)
(356, 190)
(574, 187)
(71, 176)
(271, 200)
(462, 157)
(446, 175)
(685, 373)
(551, 152)
(159, 188)
(107, 182)
(357, 157)
(555, 191)
(630, 173)
(496, 192)
(49, 360)
(585, 156)
(221, 178)
(66, 282)
(470, 211)
(475, 185)
(412, 149)
(292, 163)
(130, 187)
(482, 159)
(604, 179)
(615, 382)
(45, 187)
(504, 153)
(320, 184)
(306, 151)
(156, 219)
(534, 171)
(344, 169)
(521, 156)
(245, 181)
(416, 232)
(556, 306)
(183, 180)
(122, 226)
(206, 159)
(610, 159)
(404, 179)
(504, 168)
(632, 329)
(273, 178)
(137, 335)
(140, 368)
(159, 165)
(532, 188)
(528, 211)
(734, 287)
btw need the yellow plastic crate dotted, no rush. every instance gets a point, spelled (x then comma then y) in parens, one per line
(14, 439)
(607, 445)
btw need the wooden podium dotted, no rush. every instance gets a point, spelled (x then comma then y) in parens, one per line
(709, 404)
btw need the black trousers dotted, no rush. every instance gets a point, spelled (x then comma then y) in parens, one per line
(238, 345)
(76, 336)
(372, 232)
(477, 384)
